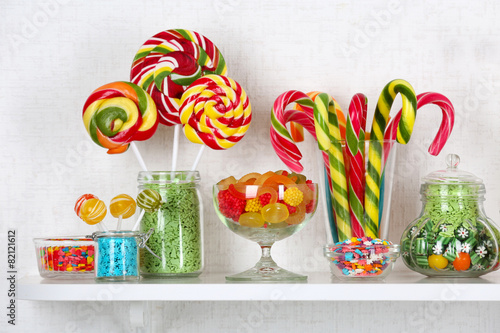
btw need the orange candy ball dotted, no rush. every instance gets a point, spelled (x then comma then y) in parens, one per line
(462, 261)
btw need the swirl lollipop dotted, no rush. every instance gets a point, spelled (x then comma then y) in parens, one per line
(150, 201)
(169, 62)
(215, 112)
(122, 207)
(91, 210)
(118, 113)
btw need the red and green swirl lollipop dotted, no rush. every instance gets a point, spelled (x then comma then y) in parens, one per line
(119, 113)
(169, 62)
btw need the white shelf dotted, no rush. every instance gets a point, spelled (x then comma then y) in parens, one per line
(399, 286)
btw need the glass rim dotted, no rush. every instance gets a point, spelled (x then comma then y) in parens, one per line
(168, 177)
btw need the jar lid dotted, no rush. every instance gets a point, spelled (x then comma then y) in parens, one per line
(451, 174)
(452, 182)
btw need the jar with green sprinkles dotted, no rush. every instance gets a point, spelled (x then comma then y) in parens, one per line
(178, 225)
(452, 237)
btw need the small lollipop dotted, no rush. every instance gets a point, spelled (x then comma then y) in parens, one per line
(122, 207)
(91, 210)
(150, 201)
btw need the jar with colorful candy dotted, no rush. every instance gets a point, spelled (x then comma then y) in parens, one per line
(452, 236)
(117, 255)
(177, 219)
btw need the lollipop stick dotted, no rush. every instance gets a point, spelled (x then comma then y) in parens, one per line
(119, 224)
(138, 222)
(196, 161)
(102, 226)
(138, 156)
(175, 148)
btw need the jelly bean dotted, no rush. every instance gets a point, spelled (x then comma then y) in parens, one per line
(251, 219)
(275, 213)
(122, 205)
(462, 262)
(437, 262)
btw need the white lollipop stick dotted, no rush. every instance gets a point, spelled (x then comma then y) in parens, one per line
(138, 222)
(138, 156)
(175, 148)
(102, 226)
(119, 224)
(196, 161)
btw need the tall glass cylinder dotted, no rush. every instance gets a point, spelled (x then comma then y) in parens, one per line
(358, 189)
(178, 225)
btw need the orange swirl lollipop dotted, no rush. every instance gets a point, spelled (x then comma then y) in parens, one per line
(119, 113)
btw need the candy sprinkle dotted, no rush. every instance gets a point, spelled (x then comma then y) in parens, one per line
(361, 256)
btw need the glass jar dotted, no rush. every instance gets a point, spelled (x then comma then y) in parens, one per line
(117, 255)
(178, 225)
(452, 236)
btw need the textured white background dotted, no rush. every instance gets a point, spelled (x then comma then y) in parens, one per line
(54, 53)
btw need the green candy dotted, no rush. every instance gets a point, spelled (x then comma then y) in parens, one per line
(149, 200)
(177, 236)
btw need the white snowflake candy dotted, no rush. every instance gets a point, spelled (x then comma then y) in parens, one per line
(488, 243)
(465, 247)
(463, 233)
(481, 251)
(437, 249)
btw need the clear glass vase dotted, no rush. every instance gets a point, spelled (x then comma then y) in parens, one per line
(177, 239)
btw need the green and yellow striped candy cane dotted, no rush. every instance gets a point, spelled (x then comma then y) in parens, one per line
(329, 139)
(375, 151)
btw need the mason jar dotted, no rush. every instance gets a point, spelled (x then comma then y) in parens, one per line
(177, 239)
(117, 255)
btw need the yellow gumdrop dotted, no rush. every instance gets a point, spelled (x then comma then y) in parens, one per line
(275, 213)
(251, 219)
(437, 261)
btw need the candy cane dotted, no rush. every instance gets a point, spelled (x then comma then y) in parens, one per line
(329, 139)
(356, 145)
(281, 140)
(445, 128)
(375, 151)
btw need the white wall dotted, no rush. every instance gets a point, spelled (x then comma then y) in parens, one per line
(54, 53)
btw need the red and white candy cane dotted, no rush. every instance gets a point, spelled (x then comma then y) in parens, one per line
(281, 140)
(445, 128)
